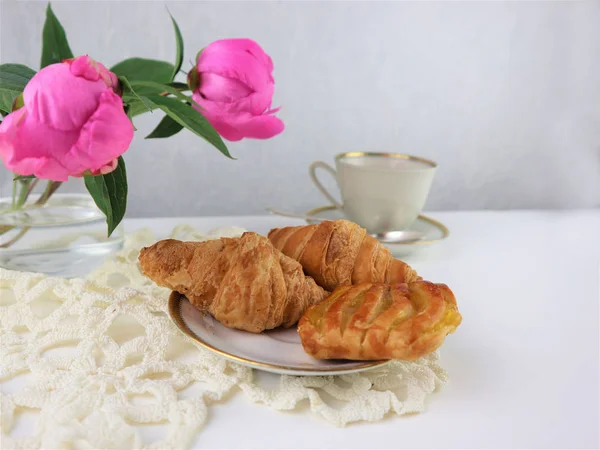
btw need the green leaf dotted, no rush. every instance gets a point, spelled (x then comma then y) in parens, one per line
(165, 88)
(192, 120)
(7, 99)
(166, 127)
(110, 194)
(15, 76)
(136, 107)
(179, 52)
(179, 86)
(13, 79)
(144, 69)
(55, 47)
(127, 109)
(128, 92)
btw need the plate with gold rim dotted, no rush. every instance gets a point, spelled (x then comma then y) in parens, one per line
(279, 351)
(432, 230)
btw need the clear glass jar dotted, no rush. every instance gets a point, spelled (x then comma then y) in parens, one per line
(65, 236)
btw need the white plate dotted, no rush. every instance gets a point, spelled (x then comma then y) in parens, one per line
(278, 351)
(433, 230)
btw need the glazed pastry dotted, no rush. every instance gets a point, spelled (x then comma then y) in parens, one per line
(380, 321)
(338, 253)
(245, 283)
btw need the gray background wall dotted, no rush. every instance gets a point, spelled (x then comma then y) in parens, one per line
(504, 96)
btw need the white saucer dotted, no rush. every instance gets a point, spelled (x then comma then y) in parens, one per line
(432, 230)
(278, 351)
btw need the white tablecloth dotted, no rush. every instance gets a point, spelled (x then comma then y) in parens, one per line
(523, 366)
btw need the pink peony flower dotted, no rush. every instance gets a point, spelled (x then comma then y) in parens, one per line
(72, 123)
(235, 89)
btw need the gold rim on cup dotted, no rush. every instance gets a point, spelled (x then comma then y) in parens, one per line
(175, 312)
(445, 231)
(386, 155)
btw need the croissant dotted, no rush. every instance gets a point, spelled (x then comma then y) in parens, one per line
(380, 321)
(338, 253)
(245, 283)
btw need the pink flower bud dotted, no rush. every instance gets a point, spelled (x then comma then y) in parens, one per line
(235, 89)
(72, 122)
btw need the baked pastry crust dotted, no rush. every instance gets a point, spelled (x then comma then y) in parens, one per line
(245, 283)
(380, 321)
(338, 253)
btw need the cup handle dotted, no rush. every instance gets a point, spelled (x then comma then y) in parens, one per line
(313, 176)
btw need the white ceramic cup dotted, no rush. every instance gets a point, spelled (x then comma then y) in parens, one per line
(380, 191)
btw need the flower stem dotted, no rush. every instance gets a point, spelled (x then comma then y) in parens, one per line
(24, 192)
(51, 188)
(180, 89)
(19, 235)
(26, 189)
(31, 188)
(14, 194)
(5, 229)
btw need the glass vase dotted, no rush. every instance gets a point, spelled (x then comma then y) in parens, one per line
(64, 236)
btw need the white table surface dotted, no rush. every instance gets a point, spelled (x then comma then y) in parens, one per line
(523, 365)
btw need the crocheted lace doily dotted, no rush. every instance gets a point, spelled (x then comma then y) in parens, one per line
(98, 356)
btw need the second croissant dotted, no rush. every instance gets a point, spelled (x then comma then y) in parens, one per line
(339, 253)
